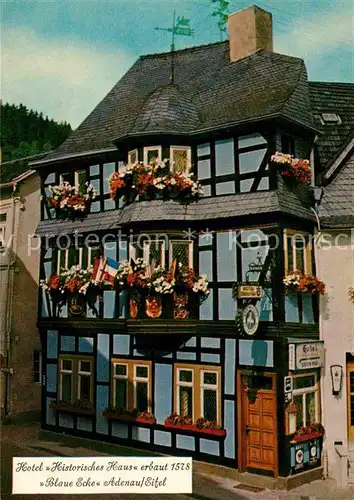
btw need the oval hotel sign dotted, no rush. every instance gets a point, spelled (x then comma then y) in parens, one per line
(306, 355)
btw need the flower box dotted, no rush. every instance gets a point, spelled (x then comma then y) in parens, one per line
(89, 412)
(124, 417)
(194, 429)
(307, 437)
(68, 201)
(292, 168)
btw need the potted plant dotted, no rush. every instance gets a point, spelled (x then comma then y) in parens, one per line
(298, 282)
(210, 427)
(68, 200)
(293, 168)
(73, 286)
(309, 432)
(179, 422)
(151, 182)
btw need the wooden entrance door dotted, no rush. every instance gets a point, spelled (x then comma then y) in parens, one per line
(350, 401)
(258, 422)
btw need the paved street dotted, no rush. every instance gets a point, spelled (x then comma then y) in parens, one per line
(23, 440)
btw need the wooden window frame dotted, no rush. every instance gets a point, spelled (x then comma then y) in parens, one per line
(190, 250)
(4, 227)
(189, 157)
(306, 390)
(197, 388)
(152, 148)
(75, 377)
(131, 365)
(290, 233)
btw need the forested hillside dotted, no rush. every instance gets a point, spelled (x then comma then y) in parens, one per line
(26, 132)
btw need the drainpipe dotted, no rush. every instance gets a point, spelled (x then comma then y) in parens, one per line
(11, 249)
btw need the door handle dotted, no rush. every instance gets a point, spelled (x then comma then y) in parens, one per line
(247, 429)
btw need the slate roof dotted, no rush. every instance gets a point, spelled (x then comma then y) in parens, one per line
(208, 92)
(206, 209)
(9, 170)
(337, 98)
(337, 205)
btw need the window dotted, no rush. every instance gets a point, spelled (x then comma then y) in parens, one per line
(37, 367)
(287, 145)
(75, 379)
(80, 180)
(133, 156)
(180, 159)
(3, 216)
(298, 255)
(197, 392)
(154, 252)
(306, 398)
(182, 252)
(152, 153)
(234, 164)
(131, 385)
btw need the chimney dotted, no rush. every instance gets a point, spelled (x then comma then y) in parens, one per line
(250, 31)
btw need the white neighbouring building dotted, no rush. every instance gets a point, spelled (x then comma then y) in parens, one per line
(335, 266)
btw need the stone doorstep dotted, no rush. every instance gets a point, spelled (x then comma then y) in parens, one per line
(53, 440)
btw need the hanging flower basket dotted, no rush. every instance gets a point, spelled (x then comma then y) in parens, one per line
(298, 282)
(68, 200)
(293, 168)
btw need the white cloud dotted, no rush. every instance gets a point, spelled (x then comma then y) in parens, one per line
(63, 79)
(317, 38)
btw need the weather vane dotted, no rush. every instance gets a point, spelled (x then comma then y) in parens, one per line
(181, 27)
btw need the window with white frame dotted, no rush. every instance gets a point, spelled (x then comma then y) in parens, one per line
(83, 256)
(66, 380)
(37, 367)
(182, 252)
(3, 221)
(75, 379)
(306, 398)
(133, 156)
(84, 373)
(180, 159)
(141, 387)
(151, 154)
(198, 392)
(131, 385)
(120, 386)
(154, 252)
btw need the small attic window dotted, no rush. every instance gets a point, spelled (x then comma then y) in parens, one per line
(330, 118)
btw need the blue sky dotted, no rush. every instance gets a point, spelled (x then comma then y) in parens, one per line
(61, 57)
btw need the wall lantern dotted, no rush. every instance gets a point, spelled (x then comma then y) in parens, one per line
(337, 378)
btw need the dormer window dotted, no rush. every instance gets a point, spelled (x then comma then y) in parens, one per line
(152, 153)
(180, 159)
